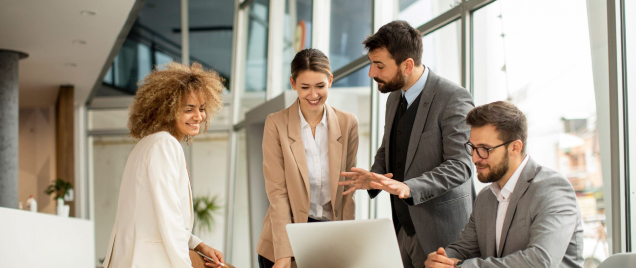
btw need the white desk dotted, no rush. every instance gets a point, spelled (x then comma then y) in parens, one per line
(30, 239)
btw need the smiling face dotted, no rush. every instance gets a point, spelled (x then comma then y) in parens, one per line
(188, 122)
(497, 165)
(389, 75)
(313, 89)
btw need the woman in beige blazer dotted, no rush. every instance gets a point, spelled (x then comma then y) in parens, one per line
(305, 147)
(153, 226)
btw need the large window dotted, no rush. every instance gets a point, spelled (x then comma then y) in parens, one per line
(255, 72)
(418, 12)
(297, 36)
(350, 25)
(442, 52)
(544, 67)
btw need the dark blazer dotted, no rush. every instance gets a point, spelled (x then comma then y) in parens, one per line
(438, 168)
(542, 227)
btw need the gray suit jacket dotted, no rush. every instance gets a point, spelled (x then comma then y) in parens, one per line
(438, 168)
(542, 227)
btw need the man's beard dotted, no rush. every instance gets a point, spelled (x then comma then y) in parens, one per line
(496, 172)
(396, 83)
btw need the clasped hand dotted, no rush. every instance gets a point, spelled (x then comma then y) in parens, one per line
(367, 180)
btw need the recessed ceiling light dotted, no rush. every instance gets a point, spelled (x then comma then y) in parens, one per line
(88, 13)
(79, 42)
(70, 64)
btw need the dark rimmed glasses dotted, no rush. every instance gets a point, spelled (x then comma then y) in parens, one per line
(482, 152)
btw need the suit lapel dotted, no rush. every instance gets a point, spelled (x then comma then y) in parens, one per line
(428, 93)
(523, 183)
(491, 226)
(392, 103)
(297, 146)
(335, 155)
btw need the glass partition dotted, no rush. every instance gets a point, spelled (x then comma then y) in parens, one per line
(544, 67)
(297, 36)
(442, 51)
(255, 83)
(210, 35)
(418, 12)
(350, 25)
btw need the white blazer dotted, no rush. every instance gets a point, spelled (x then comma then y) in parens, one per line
(154, 214)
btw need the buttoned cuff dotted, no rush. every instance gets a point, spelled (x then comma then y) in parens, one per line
(416, 197)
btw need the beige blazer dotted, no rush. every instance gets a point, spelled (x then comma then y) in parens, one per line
(154, 212)
(287, 179)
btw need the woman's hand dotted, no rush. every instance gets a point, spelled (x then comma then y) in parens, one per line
(283, 263)
(212, 253)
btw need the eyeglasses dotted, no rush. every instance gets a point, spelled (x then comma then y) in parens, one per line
(482, 152)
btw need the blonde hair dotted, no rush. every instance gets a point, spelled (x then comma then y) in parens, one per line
(163, 93)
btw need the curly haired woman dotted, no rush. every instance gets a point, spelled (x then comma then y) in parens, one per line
(153, 227)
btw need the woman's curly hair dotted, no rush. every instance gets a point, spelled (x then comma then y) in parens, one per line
(163, 93)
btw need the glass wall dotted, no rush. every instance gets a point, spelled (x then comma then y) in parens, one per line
(297, 36)
(350, 25)
(536, 64)
(442, 51)
(418, 12)
(210, 32)
(255, 72)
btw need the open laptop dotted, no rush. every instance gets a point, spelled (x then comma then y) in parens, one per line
(346, 244)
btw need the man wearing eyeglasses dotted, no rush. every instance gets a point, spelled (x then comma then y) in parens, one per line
(528, 217)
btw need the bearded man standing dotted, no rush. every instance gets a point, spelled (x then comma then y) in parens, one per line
(421, 162)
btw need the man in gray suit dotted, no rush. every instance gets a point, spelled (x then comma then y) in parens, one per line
(528, 217)
(421, 162)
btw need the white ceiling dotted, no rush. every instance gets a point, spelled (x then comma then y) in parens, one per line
(46, 30)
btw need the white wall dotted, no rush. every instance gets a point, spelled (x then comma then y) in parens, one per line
(37, 156)
(42, 240)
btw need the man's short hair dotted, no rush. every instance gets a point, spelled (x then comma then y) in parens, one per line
(400, 39)
(509, 121)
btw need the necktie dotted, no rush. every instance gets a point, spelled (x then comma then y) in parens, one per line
(403, 106)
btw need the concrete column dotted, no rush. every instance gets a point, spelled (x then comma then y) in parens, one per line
(9, 127)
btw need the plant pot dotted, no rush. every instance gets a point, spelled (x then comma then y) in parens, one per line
(61, 209)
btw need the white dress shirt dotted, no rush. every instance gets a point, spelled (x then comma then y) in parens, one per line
(411, 93)
(503, 196)
(317, 154)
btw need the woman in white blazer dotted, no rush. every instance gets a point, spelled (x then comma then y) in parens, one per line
(153, 227)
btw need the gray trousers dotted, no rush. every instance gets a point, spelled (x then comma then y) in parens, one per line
(413, 255)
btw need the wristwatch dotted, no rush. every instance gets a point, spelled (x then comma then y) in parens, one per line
(459, 264)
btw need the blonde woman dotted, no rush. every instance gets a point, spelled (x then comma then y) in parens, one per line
(153, 227)
(305, 147)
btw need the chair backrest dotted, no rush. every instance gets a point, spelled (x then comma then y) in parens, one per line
(620, 260)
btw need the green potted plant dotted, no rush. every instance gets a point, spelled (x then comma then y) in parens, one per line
(204, 209)
(60, 188)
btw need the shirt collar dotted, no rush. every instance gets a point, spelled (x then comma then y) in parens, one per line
(504, 194)
(415, 90)
(303, 122)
